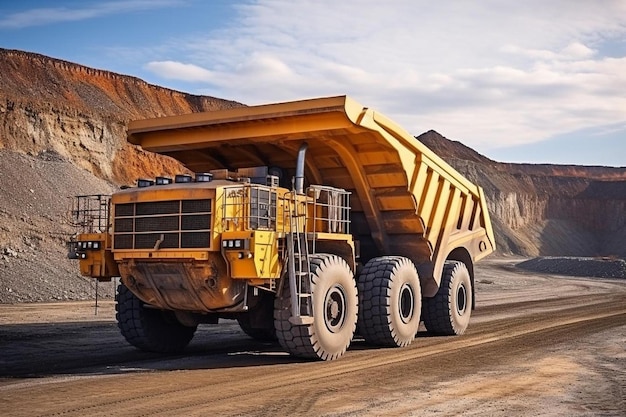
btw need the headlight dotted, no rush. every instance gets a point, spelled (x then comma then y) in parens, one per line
(163, 180)
(89, 245)
(141, 183)
(182, 178)
(236, 244)
(204, 177)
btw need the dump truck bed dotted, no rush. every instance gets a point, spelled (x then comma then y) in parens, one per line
(406, 200)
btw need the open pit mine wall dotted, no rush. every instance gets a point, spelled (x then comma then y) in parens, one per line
(81, 114)
(542, 210)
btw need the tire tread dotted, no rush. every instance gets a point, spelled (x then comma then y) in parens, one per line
(147, 329)
(437, 311)
(375, 287)
(302, 341)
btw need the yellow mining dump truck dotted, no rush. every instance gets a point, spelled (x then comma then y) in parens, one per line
(305, 221)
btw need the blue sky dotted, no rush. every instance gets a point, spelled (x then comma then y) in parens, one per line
(540, 81)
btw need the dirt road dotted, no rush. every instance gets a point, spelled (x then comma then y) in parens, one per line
(537, 345)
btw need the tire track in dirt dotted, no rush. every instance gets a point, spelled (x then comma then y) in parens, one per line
(218, 389)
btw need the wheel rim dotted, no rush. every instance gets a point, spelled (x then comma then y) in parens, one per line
(461, 300)
(406, 303)
(335, 309)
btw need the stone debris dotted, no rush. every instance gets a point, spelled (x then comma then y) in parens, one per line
(33, 257)
(577, 266)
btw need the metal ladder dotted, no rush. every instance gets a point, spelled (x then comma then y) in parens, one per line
(299, 270)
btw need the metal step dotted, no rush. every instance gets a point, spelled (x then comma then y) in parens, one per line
(299, 273)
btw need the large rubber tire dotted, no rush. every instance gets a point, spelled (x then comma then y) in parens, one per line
(335, 310)
(258, 322)
(390, 301)
(149, 329)
(448, 312)
(261, 334)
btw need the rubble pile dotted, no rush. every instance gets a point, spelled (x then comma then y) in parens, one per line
(577, 266)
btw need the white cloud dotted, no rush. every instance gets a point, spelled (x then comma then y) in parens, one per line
(489, 73)
(52, 15)
(573, 51)
(178, 71)
(577, 50)
(261, 65)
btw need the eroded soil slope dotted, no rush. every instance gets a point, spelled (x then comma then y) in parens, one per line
(34, 226)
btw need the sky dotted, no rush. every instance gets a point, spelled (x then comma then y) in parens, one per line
(537, 81)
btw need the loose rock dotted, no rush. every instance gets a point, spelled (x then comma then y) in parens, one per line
(577, 266)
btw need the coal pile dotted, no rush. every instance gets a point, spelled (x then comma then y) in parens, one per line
(577, 266)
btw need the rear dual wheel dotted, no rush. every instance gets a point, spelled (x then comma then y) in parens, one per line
(389, 301)
(262, 334)
(150, 329)
(258, 323)
(448, 312)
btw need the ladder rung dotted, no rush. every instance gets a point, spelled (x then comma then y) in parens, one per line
(301, 320)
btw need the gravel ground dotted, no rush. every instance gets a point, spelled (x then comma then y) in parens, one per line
(537, 345)
(577, 266)
(34, 226)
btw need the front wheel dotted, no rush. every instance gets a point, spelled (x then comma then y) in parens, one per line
(147, 328)
(335, 310)
(448, 312)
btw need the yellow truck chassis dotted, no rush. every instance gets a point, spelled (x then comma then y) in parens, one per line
(305, 219)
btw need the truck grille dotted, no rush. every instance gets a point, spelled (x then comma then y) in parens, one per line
(177, 224)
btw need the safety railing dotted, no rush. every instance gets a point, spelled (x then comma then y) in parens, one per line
(249, 207)
(90, 213)
(330, 211)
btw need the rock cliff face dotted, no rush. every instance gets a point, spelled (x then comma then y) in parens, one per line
(546, 209)
(81, 113)
(63, 132)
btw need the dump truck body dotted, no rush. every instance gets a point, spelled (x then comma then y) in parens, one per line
(406, 199)
(368, 196)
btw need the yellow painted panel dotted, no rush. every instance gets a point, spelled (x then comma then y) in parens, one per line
(161, 254)
(266, 259)
(193, 191)
(419, 177)
(385, 180)
(98, 263)
(376, 158)
(402, 225)
(440, 208)
(394, 202)
(431, 187)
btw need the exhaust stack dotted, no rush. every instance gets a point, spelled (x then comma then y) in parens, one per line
(299, 180)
